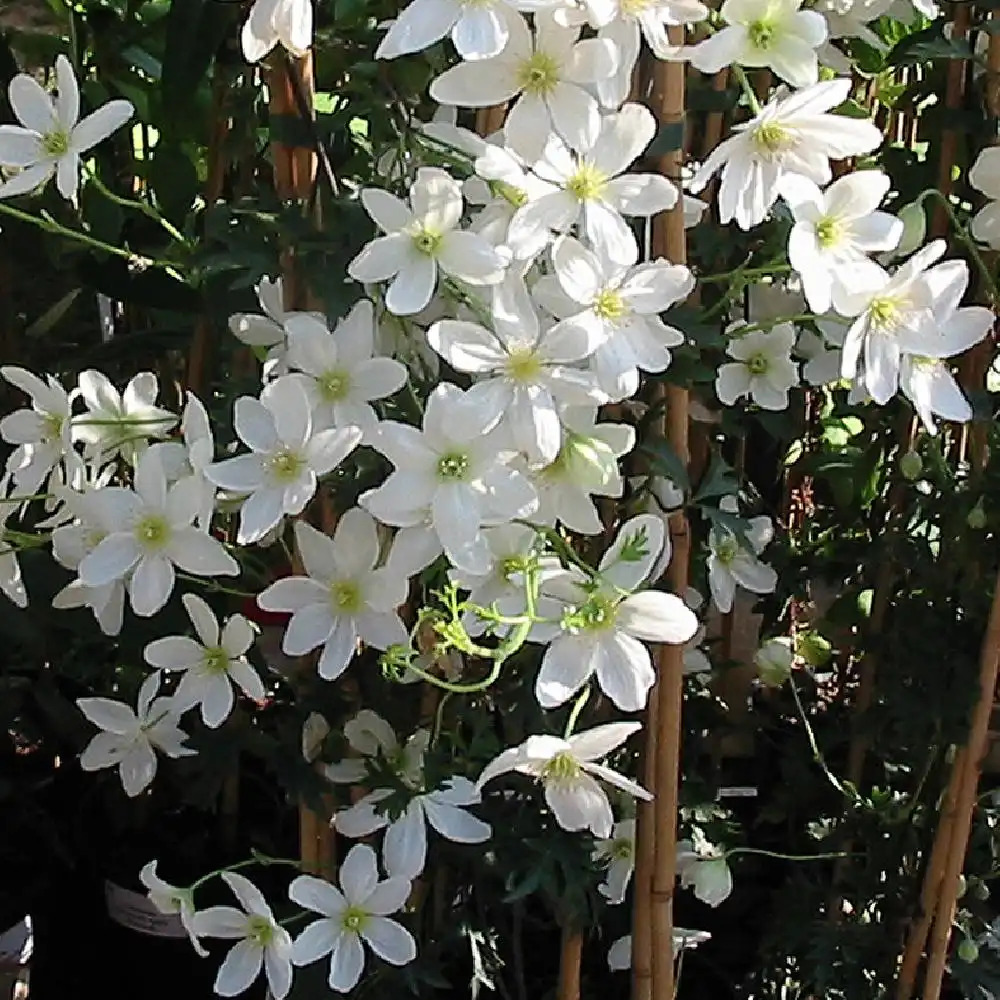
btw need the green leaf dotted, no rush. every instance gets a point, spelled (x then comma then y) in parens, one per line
(174, 180)
(718, 481)
(668, 139)
(666, 462)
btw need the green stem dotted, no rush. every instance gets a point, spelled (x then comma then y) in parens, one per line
(140, 206)
(264, 860)
(752, 272)
(574, 715)
(814, 746)
(748, 91)
(49, 225)
(832, 856)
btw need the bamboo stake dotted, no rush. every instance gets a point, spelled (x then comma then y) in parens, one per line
(975, 749)
(569, 964)
(669, 242)
(645, 859)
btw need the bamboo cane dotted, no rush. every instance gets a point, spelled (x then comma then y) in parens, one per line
(965, 806)
(570, 956)
(669, 241)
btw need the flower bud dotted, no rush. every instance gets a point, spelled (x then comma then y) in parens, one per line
(774, 661)
(976, 518)
(968, 950)
(914, 220)
(813, 648)
(911, 465)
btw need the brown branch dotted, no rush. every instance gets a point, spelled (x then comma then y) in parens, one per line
(570, 956)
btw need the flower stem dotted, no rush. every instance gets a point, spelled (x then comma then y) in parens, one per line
(140, 206)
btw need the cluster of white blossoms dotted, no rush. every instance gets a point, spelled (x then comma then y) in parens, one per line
(515, 273)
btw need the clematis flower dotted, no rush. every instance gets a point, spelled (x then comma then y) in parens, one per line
(130, 738)
(932, 389)
(602, 621)
(568, 771)
(793, 133)
(421, 238)
(272, 22)
(170, 899)
(356, 912)
(774, 661)
(404, 849)
(148, 531)
(821, 352)
(52, 136)
(455, 470)
(732, 563)
(547, 74)
(620, 952)
(41, 434)
(985, 176)
(586, 466)
(120, 424)
(771, 33)
(702, 866)
(342, 378)
(342, 599)
(260, 941)
(590, 187)
(617, 852)
(210, 666)
(836, 229)
(199, 444)
(763, 368)
(622, 306)
(11, 582)
(530, 370)
(478, 28)
(288, 454)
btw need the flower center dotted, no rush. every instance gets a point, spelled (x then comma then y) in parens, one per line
(883, 314)
(260, 930)
(215, 660)
(622, 849)
(539, 74)
(285, 466)
(829, 231)
(925, 363)
(761, 33)
(55, 144)
(345, 595)
(523, 366)
(561, 767)
(771, 137)
(52, 425)
(597, 614)
(609, 305)
(354, 919)
(511, 566)
(514, 196)
(631, 8)
(726, 551)
(152, 532)
(758, 364)
(453, 467)
(334, 385)
(427, 241)
(588, 183)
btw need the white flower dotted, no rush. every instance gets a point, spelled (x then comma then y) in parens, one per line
(260, 941)
(41, 434)
(932, 389)
(170, 899)
(625, 24)
(52, 136)
(836, 229)
(985, 177)
(128, 739)
(148, 531)
(622, 306)
(478, 28)
(618, 854)
(822, 361)
(210, 666)
(733, 562)
(342, 599)
(771, 33)
(454, 470)
(289, 22)
(763, 369)
(421, 238)
(602, 621)
(404, 849)
(620, 952)
(356, 912)
(568, 771)
(342, 378)
(701, 866)
(547, 73)
(10, 569)
(894, 316)
(196, 431)
(532, 369)
(314, 733)
(587, 465)
(591, 187)
(774, 661)
(288, 454)
(120, 423)
(792, 134)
